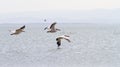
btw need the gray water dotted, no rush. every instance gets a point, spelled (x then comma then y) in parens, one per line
(93, 45)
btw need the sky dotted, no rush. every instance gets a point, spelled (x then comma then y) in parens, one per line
(8, 6)
(26, 6)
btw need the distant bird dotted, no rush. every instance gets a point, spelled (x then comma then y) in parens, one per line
(58, 39)
(45, 20)
(52, 28)
(18, 31)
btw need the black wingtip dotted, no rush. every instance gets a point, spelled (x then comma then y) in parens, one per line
(22, 27)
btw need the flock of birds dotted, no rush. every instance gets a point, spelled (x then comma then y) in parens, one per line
(51, 29)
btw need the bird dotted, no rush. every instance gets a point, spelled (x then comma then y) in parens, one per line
(17, 31)
(52, 28)
(45, 20)
(59, 38)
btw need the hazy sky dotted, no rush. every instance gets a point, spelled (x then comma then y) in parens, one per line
(8, 6)
(17, 11)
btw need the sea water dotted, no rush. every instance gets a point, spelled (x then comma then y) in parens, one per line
(92, 45)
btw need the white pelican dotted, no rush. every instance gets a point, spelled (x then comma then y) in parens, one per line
(58, 39)
(52, 28)
(18, 31)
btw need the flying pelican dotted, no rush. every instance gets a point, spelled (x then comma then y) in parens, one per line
(52, 28)
(18, 31)
(58, 39)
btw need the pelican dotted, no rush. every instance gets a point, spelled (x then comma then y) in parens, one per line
(58, 39)
(52, 28)
(18, 31)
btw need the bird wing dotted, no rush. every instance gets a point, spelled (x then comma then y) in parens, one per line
(23, 27)
(20, 29)
(53, 25)
(65, 37)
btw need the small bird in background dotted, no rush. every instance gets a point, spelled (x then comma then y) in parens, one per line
(17, 31)
(45, 20)
(58, 39)
(52, 28)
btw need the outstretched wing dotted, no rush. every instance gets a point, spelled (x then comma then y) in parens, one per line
(53, 25)
(22, 27)
(66, 37)
(67, 40)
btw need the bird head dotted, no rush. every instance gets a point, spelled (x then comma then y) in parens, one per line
(57, 39)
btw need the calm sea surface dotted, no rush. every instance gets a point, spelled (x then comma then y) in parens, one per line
(93, 45)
